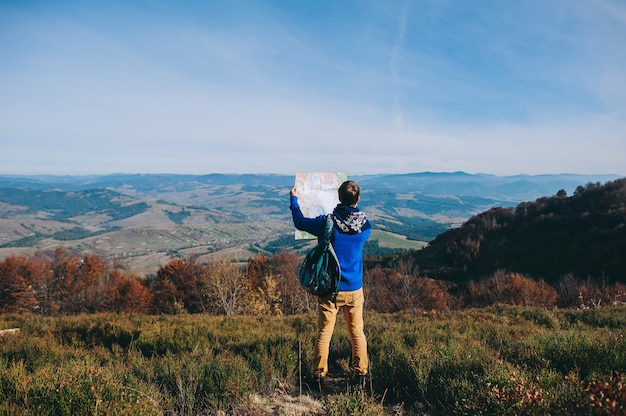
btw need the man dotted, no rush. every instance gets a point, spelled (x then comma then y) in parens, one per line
(351, 230)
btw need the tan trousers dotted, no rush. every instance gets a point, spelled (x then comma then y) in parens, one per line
(352, 304)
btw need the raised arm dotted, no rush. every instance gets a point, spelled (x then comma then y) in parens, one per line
(314, 226)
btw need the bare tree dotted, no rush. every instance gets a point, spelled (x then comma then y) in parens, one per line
(226, 286)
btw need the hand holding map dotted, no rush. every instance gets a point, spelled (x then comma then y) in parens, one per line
(317, 194)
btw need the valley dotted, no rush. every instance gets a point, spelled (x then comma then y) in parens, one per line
(143, 221)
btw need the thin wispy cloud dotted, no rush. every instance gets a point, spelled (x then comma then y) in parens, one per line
(361, 87)
(396, 50)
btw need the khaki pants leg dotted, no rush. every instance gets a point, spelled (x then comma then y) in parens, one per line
(326, 318)
(353, 312)
(352, 303)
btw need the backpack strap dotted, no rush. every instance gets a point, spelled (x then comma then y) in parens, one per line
(328, 231)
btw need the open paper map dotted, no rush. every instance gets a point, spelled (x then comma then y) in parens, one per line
(317, 194)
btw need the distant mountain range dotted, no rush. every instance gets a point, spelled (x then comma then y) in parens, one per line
(145, 219)
(514, 188)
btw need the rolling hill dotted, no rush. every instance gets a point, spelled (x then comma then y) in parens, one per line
(145, 219)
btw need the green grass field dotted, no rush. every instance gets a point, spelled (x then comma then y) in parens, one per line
(392, 240)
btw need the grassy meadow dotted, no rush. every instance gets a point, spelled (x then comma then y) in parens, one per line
(392, 240)
(492, 361)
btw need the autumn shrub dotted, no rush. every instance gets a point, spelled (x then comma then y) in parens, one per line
(66, 393)
(594, 294)
(510, 289)
(63, 283)
(386, 290)
(591, 293)
(517, 391)
(617, 294)
(607, 396)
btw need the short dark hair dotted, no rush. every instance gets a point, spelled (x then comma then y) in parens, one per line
(349, 193)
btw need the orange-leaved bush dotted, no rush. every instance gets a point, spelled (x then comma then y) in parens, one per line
(511, 289)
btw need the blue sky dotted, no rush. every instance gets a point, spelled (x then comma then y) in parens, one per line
(364, 87)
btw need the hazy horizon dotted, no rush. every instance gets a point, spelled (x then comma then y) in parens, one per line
(18, 175)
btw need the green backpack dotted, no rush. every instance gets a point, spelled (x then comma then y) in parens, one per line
(320, 271)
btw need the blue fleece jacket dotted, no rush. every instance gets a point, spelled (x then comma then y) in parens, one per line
(351, 230)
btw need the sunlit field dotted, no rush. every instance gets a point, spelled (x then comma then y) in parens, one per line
(391, 240)
(492, 361)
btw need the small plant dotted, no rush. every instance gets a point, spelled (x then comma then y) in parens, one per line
(518, 395)
(354, 402)
(608, 397)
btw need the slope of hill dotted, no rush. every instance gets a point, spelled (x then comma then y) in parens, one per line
(146, 218)
(584, 234)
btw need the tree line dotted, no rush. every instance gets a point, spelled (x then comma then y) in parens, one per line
(62, 283)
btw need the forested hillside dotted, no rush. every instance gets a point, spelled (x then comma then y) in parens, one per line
(583, 235)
